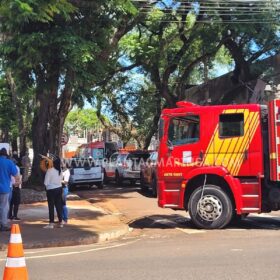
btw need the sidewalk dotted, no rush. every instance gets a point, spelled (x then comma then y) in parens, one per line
(87, 224)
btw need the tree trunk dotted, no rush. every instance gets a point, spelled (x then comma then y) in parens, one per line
(14, 144)
(19, 112)
(40, 133)
(154, 125)
(242, 67)
(59, 109)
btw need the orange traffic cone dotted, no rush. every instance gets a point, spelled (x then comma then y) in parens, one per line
(15, 268)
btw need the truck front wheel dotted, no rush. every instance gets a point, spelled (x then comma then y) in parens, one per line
(210, 207)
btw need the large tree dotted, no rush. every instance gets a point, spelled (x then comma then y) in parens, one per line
(176, 40)
(64, 48)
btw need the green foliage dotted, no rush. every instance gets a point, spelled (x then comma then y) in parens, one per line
(79, 120)
(8, 120)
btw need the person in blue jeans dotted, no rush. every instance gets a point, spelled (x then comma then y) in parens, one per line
(7, 169)
(65, 191)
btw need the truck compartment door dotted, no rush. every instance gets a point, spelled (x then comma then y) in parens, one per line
(274, 139)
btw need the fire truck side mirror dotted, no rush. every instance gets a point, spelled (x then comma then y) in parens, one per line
(170, 145)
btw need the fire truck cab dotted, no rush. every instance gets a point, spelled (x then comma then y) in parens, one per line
(219, 162)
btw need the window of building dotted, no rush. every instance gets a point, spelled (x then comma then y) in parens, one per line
(231, 125)
(183, 130)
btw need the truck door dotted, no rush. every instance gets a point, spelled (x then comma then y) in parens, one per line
(232, 143)
(180, 152)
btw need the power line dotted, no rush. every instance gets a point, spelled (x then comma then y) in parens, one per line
(210, 1)
(217, 11)
(220, 4)
(223, 22)
(221, 8)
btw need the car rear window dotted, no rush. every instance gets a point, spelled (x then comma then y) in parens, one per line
(82, 163)
(138, 157)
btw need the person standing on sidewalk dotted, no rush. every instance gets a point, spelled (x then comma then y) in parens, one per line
(15, 199)
(7, 169)
(53, 179)
(65, 191)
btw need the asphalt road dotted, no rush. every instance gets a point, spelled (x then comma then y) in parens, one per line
(163, 244)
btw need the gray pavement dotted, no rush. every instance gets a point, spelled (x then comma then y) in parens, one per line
(87, 224)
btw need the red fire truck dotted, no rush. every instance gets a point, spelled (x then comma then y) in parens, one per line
(219, 162)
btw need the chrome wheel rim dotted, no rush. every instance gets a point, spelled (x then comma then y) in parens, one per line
(209, 208)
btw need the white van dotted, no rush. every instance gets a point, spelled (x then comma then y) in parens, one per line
(85, 171)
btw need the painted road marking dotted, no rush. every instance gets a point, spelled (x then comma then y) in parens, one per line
(191, 231)
(236, 250)
(77, 252)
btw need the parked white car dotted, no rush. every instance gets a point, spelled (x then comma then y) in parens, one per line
(86, 171)
(125, 166)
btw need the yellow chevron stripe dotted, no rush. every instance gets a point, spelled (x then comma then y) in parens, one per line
(254, 123)
(231, 150)
(238, 151)
(226, 144)
(209, 155)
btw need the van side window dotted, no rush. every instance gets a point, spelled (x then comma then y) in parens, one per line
(183, 130)
(231, 125)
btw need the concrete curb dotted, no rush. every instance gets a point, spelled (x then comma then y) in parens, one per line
(94, 237)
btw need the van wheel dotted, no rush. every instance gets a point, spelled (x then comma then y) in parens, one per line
(100, 185)
(106, 179)
(133, 182)
(142, 183)
(118, 178)
(212, 210)
(154, 186)
(72, 187)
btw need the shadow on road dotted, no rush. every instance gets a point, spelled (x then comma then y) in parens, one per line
(110, 191)
(178, 221)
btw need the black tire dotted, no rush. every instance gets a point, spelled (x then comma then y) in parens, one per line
(100, 185)
(219, 209)
(142, 183)
(106, 179)
(133, 182)
(72, 187)
(154, 186)
(118, 178)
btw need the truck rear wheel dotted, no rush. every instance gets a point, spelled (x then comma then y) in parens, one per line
(212, 209)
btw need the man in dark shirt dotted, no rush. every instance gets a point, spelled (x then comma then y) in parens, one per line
(7, 169)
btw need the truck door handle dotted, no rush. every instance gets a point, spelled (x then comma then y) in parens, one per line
(246, 155)
(201, 155)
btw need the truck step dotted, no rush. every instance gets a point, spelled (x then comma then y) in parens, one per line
(250, 195)
(250, 210)
(250, 187)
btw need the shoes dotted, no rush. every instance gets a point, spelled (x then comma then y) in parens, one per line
(64, 222)
(50, 225)
(60, 225)
(16, 219)
(5, 228)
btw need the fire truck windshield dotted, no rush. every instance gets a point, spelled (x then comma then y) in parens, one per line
(183, 130)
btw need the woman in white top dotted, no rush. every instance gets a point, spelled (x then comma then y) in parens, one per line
(52, 182)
